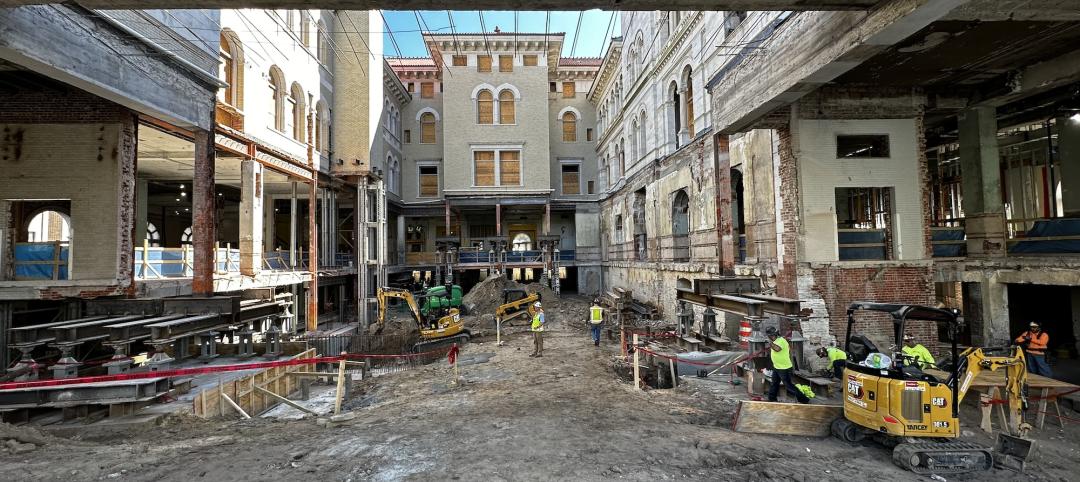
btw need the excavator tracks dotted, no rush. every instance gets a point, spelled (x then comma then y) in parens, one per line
(943, 457)
(428, 345)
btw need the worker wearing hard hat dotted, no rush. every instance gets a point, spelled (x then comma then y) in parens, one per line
(1034, 342)
(837, 360)
(917, 354)
(538, 330)
(780, 354)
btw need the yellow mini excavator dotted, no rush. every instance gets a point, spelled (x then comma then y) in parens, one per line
(516, 303)
(889, 397)
(440, 326)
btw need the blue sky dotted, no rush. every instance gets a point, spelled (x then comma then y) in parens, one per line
(594, 26)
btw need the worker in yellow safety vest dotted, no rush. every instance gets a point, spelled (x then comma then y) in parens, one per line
(837, 360)
(538, 331)
(596, 320)
(780, 354)
(917, 354)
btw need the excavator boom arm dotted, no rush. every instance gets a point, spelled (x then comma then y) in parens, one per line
(1015, 367)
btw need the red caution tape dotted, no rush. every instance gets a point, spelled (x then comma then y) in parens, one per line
(181, 372)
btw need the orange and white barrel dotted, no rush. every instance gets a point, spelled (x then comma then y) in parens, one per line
(744, 334)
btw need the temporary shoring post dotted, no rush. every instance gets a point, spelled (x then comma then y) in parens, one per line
(313, 240)
(637, 373)
(724, 223)
(204, 214)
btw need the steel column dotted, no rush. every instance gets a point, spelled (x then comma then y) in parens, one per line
(725, 230)
(313, 260)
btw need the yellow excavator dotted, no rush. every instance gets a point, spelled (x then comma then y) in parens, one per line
(439, 326)
(516, 303)
(893, 400)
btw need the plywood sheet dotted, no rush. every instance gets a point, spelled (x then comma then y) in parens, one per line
(785, 418)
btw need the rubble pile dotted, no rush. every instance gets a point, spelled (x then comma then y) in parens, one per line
(484, 298)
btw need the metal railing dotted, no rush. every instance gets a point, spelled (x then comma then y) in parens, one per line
(162, 263)
(48, 260)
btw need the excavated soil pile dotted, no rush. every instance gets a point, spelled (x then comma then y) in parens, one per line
(484, 298)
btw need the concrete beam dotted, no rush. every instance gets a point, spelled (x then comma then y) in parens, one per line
(68, 44)
(809, 50)
(481, 4)
(1031, 80)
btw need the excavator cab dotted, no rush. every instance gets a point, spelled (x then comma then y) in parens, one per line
(890, 397)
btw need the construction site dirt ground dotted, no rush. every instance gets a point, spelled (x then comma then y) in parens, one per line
(566, 416)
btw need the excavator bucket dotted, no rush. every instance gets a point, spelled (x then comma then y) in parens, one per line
(1012, 452)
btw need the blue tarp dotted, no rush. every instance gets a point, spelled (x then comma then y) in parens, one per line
(948, 250)
(1050, 227)
(39, 252)
(861, 237)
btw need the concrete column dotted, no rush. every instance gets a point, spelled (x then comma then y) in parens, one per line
(1068, 164)
(361, 220)
(313, 258)
(293, 215)
(980, 165)
(251, 217)
(204, 223)
(400, 239)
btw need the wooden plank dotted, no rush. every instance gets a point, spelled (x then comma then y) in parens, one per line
(785, 418)
(987, 379)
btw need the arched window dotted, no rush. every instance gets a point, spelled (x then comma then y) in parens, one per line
(622, 158)
(689, 100)
(391, 175)
(48, 226)
(185, 238)
(153, 237)
(296, 100)
(680, 214)
(643, 150)
(675, 112)
(277, 92)
(569, 127)
(634, 152)
(522, 242)
(320, 42)
(305, 29)
(232, 68)
(322, 127)
(506, 107)
(427, 128)
(485, 107)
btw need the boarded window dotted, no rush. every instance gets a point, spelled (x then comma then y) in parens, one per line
(529, 60)
(571, 179)
(484, 167)
(429, 181)
(506, 63)
(569, 127)
(510, 168)
(872, 145)
(427, 90)
(569, 90)
(506, 107)
(408, 136)
(412, 87)
(483, 63)
(427, 128)
(591, 186)
(588, 134)
(460, 60)
(485, 108)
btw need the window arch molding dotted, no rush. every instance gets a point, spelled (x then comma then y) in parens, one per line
(476, 90)
(511, 88)
(232, 53)
(277, 85)
(428, 110)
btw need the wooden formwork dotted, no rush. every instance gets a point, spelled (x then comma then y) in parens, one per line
(210, 403)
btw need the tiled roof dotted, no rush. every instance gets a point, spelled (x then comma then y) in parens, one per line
(405, 62)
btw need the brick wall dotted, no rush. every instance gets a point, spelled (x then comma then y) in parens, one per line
(57, 107)
(789, 215)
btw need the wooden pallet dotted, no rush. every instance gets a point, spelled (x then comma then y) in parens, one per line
(785, 418)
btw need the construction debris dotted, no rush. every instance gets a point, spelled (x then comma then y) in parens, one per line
(785, 418)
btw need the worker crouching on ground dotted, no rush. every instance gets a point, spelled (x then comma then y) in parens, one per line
(1034, 342)
(780, 354)
(837, 360)
(916, 353)
(538, 331)
(596, 320)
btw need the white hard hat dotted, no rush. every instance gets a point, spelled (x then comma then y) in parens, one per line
(537, 304)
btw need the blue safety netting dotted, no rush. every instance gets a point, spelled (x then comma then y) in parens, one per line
(1046, 228)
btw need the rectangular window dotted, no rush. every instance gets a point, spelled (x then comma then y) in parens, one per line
(412, 87)
(863, 146)
(460, 60)
(427, 90)
(429, 181)
(569, 90)
(506, 63)
(483, 63)
(484, 168)
(529, 60)
(552, 87)
(864, 223)
(510, 168)
(571, 179)
(591, 190)
(588, 134)
(408, 136)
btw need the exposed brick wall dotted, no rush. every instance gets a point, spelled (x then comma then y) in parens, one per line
(861, 102)
(57, 107)
(839, 286)
(924, 183)
(789, 214)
